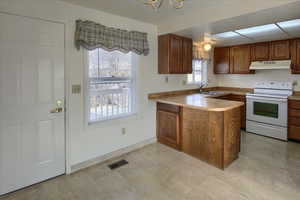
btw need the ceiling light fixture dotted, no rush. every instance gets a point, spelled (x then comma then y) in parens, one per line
(156, 4)
(207, 46)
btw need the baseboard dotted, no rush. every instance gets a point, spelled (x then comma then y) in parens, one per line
(100, 159)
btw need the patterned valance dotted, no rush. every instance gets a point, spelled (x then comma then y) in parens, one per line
(91, 35)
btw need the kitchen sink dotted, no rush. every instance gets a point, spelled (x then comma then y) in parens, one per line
(212, 92)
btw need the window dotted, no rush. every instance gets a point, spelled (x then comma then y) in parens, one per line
(199, 75)
(111, 85)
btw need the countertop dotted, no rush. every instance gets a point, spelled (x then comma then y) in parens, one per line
(201, 102)
(295, 97)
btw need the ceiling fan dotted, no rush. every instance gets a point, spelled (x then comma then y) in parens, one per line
(156, 4)
(207, 43)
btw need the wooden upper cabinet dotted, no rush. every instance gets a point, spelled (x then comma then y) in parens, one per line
(175, 54)
(295, 55)
(240, 57)
(280, 50)
(187, 46)
(221, 60)
(260, 51)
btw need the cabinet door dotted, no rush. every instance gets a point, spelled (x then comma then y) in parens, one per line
(280, 50)
(168, 128)
(294, 132)
(176, 55)
(260, 51)
(240, 59)
(187, 45)
(295, 54)
(221, 60)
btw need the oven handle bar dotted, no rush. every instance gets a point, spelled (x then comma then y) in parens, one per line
(267, 99)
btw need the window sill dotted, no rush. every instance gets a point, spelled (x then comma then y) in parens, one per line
(91, 123)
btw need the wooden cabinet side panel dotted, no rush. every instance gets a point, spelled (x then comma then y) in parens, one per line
(294, 104)
(232, 135)
(202, 135)
(221, 60)
(163, 54)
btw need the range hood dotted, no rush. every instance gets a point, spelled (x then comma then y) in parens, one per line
(282, 64)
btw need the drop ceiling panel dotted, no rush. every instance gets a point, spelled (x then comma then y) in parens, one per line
(230, 38)
(292, 27)
(264, 33)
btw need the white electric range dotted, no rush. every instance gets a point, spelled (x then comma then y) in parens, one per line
(267, 109)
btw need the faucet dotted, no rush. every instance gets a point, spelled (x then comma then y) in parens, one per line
(202, 85)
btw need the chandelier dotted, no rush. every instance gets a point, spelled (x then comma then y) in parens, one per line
(156, 4)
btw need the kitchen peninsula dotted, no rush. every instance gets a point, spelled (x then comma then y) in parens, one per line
(201, 126)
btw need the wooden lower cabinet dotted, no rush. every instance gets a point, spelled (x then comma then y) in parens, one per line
(294, 120)
(168, 125)
(236, 97)
(211, 136)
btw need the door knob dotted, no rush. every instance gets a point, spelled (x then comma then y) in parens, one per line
(59, 107)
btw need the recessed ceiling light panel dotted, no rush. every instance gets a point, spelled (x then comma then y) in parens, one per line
(292, 27)
(290, 24)
(226, 35)
(264, 33)
(258, 29)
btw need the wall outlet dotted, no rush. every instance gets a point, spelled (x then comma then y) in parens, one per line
(76, 89)
(123, 131)
(295, 83)
(166, 79)
(184, 82)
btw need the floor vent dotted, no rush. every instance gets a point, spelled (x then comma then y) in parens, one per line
(117, 164)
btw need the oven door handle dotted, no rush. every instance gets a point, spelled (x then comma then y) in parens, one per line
(268, 99)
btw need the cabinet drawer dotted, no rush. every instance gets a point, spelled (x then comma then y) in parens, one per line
(294, 132)
(294, 113)
(294, 104)
(168, 107)
(294, 121)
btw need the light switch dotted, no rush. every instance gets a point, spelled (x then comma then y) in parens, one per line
(76, 89)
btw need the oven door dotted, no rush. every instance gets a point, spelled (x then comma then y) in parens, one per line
(267, 110)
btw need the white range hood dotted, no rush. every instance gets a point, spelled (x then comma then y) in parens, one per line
(281, 64)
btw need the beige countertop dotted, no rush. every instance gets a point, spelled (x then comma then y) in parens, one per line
(201, 101)
(294, 97)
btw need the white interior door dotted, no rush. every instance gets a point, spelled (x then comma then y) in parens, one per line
(32, 140)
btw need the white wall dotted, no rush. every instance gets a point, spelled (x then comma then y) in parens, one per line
(88, 142)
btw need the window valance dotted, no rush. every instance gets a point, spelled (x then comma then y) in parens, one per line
(91, 35)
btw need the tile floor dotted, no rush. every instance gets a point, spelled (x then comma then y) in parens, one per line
(266, 169)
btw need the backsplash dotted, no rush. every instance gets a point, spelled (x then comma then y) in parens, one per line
(248, 81)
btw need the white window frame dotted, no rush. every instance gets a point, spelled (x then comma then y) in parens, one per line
(86, 92)
(204, 74)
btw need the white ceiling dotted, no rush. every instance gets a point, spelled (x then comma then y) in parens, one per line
(243, 25)
(200, 17)
(194, 12)
(137, 10)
